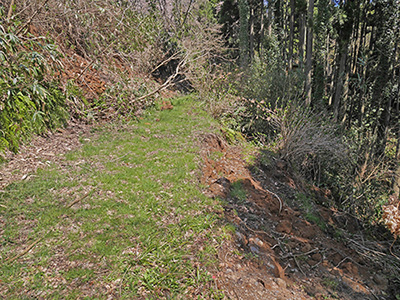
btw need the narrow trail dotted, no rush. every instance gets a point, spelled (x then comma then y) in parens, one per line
(164, 208)
(122, 216)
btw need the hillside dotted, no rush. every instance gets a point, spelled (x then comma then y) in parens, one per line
(184, 149)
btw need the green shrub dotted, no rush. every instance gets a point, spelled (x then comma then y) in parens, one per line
(267, 86)
(30, 102)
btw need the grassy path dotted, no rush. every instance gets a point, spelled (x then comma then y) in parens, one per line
(123, 217)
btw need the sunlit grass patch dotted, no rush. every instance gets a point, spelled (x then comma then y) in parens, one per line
(125, 218)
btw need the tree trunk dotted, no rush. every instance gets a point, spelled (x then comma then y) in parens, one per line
(396, 177)
(291, 34)
(251, 32)
(243, 33)
(262, 26)
(335, 73)
(270, 17)
(302, 24)
(286, 33)
(340, 77)
(328, 67)
(345, 90)
(308, 89)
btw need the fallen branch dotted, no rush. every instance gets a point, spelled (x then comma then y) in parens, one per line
(297, 263)
(344, 259)
(24, 252)
(280, 201)
(78, 200)
(391, 246)
(299, 254)
(175, 55)
(166, 84)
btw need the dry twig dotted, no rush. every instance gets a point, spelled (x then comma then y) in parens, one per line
(169, 82)
(10, 11)
(280, 201)
(78, 200)
(27, 249)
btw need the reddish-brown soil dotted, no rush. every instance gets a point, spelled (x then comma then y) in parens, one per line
(277, 253)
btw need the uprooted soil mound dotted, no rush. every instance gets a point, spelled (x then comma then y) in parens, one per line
(286, 246)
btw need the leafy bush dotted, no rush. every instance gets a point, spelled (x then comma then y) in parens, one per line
(29, 101)
(268, 79)
(266, 86)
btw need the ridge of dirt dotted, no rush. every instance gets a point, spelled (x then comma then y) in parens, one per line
(283, 255)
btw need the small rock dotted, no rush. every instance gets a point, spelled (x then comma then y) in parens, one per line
(354, 285)
(316, 256)
(284, 226)
(254, 249)
(337, 272)
(307, 247)
(259, 242)
(350, 268)
(280, 282)
(242, 238)
(312, 262)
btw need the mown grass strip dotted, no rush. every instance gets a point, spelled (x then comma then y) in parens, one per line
(138, 227)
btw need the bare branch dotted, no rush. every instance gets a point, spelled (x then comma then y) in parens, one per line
(31, 18)
(10, 11)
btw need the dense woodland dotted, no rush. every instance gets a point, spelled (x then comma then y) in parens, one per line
(340, 58)
(317, 81)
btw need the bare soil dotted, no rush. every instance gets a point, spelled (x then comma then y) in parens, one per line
(277, 253)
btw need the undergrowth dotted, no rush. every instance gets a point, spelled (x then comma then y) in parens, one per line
(30, 100)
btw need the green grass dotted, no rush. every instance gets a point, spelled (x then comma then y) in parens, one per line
(238, 192)
(310, 214)
(144, 230)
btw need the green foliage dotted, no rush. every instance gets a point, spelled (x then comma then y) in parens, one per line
(268, 79)
(238, 192)
(29, 101)
(307, 205)
(76, 100)
(330, 283)
(268, 86)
